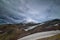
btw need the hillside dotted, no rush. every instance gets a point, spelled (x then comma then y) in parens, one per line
(16, 31)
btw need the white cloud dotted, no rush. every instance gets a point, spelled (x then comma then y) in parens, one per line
(30, 20)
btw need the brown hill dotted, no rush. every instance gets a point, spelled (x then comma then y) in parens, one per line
(15, 31)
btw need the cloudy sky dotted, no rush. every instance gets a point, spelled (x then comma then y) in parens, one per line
(17, 11)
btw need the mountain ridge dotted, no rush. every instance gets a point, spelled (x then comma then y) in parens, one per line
(19, 29)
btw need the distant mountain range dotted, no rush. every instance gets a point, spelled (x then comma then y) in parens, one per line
(23, 29)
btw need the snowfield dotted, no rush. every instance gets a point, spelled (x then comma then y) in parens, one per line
(40, 35)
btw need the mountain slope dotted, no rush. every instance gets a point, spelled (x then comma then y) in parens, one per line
(15, 31)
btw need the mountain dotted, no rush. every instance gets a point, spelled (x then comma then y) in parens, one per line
(16, 31)
(48, 26)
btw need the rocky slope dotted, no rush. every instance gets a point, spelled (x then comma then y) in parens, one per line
(15, 31)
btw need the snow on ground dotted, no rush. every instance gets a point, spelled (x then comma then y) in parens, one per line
(40, 35)
(32, 27)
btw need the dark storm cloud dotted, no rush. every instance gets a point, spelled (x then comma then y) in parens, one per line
(16, 11)
(9, 11)
(43, 10)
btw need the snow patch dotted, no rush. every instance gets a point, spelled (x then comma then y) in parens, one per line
(40, 35)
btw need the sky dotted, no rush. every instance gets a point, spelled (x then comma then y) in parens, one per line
(17, 11)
